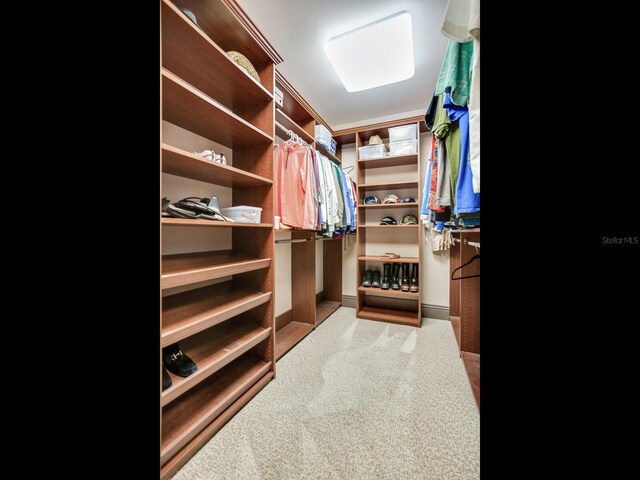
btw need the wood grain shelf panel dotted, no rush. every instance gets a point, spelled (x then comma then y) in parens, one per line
(369, 258)
(197, 442)
(289, 124)
(189, 53)
(388, 226)
(455, 324)
(176, 161)
(389, 315)
(324, 309)
(186, 268)
(187, 313)
(289, 335)
(328, 154)
(472, 366)
(389, 293)
(186, 222)
(213, 349)
(387, 186)
(389, 205)
(186, 417)
(189, 108)
(390, 161)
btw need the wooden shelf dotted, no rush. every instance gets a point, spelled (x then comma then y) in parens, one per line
(391, 161)
(389, 293)
(197, 442)
(213, 349)
(387, 186)
(186, 268)
(324, 309)
(189, 108)
(389, 205)
(389, 315)
(184, 164)
(388, 226)
(328, 154)
(191, 312)
(455, 324)
(289, 124)
(185, 418)
(290, 335)
(369, 258)
(189, 53)
(186, 222)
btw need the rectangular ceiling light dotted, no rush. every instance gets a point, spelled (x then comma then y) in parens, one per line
(377, 54)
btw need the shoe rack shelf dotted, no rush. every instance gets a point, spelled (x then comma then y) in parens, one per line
(227, 328)
(393, 306)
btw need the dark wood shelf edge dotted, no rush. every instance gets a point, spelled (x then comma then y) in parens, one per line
(325, 309)
(367, 314)
(287, 343)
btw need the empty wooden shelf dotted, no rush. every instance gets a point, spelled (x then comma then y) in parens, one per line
(288, 124)
(188, 222)
(324, 309)
(387, 186)
(187, 313)
(176, 161)
(390, 315)
(186, 268)
(212, 349)
(369, 258)
(189, 53)
(189, 108)
(290, 335)
(390, 161)
(188, 415)
(389, 205)
(389, 293)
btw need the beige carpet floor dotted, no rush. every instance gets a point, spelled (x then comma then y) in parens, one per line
(356, 399)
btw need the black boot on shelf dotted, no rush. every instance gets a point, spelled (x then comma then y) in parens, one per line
(404, 283)
(414, 277)
(375, 281)
(367, 278)
(386, 274)
(177, 362)
(166, 379)
(395, 281)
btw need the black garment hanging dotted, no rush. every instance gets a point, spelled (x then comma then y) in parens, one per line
(475, 257)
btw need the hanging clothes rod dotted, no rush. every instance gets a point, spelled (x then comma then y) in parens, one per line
(294, 240)
(473, 244)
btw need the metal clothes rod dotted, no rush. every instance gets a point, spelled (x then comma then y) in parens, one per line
(473, 244)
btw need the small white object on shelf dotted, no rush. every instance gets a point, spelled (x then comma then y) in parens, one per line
(372, 151)
(406, 147)
(243, 213)
(404, 132)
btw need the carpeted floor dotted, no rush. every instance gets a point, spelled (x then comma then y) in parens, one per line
(356, 399)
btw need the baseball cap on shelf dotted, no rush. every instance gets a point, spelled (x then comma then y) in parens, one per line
(410, 219)
(391, 198)
(388, 221)
(375, 140)
(409, 200)
(371, 200)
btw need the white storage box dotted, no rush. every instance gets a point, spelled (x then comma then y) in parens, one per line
(323, 136)
(404, 132)
(372, 151)
(243, 213)
(406, 147)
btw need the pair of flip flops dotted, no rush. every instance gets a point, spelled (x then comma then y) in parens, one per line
(194, 207)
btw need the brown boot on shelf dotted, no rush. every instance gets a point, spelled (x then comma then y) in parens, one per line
(404, 283)
(414, 277)
(386, 276)
(395, 281)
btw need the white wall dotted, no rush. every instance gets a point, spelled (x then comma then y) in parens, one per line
(434, 278)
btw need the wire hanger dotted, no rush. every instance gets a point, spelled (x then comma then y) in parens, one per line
(348, 169)
(472, 259)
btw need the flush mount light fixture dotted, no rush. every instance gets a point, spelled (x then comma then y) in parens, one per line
(373, 55)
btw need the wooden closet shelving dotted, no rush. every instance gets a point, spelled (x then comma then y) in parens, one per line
(289, 124)
(227, 328)
(394, 306)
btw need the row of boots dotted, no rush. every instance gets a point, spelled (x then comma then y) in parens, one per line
(391, 277)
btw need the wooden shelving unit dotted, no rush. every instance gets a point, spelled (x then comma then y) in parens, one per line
(394, 306)
(289, 335)
(289, 124)
(227, 328)
(328, 154)
(324, 309)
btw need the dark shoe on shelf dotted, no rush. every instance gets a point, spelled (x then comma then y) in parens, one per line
(166, 379)
(404, 284)
(375, 281)
(414, 278)
(177, 362)
(386, 274)
(395, 281)
(367, 278)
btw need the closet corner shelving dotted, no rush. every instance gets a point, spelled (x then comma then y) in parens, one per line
(380, 177)
(308, 308)
(226, 328)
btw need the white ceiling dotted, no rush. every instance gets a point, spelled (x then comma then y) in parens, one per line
(298, 30)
